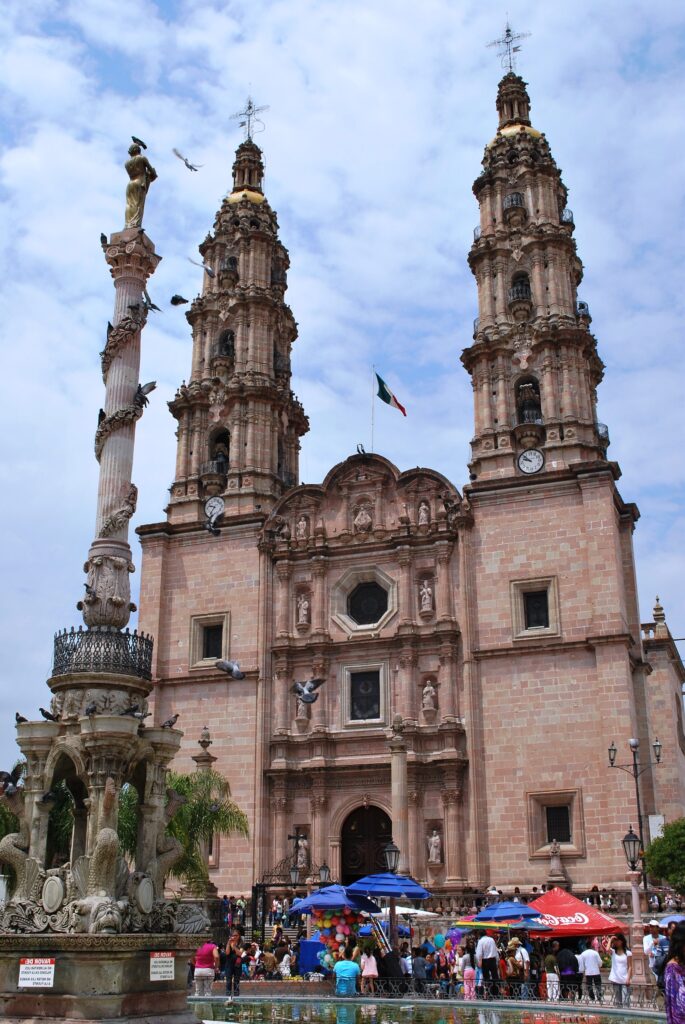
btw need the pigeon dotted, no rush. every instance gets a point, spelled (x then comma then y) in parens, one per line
(178, 300)
(48, 715)
(139, 142)
(148, 301)
(191, 167)
(361, 450)
(102, 416)
(205, 266)
(306, 692)
(231, 667)
(89, 590)
(130, 711)
(103, 238)
(9, 780)
(19, 718)
(211, 528)
(141, 715)
(142, 391)
(91, 709)
(170, 722)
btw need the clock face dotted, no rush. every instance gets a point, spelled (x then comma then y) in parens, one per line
(531, 461)
(214, 507)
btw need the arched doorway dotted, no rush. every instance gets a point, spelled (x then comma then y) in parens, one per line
(364, 834)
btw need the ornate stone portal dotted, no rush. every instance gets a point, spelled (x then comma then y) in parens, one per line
(99, 916)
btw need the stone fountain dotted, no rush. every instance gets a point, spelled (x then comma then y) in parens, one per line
(94, 938)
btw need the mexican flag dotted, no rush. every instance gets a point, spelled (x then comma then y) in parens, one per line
(386, 395)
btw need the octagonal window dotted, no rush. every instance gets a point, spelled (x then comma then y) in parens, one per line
(367, 603)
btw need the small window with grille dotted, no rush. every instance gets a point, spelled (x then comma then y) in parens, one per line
(212, 639)
(536, 609)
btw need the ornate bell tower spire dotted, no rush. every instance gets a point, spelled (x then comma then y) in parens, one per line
(239, 423)
(533, 362)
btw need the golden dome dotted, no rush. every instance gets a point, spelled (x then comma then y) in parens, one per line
(514, 129)
(246, 193)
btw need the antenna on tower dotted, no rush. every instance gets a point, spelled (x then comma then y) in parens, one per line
(507, 48)
(249, 120)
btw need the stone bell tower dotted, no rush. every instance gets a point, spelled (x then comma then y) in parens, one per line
(239, 423)
(533, 362)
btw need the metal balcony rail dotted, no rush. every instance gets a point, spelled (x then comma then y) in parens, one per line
(520, 292)
(103, 649)
(219, 466)
(514, 199)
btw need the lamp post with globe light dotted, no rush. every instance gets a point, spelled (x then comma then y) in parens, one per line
(391, 853)
(632, 850)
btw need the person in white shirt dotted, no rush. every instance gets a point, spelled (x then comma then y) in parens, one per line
(621, 972)
(487, 958)
(590, 964)
(653, 942)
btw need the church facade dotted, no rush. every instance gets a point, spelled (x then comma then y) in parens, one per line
(496, 626)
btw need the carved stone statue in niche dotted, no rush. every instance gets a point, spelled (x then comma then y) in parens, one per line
(424, 514)
(434, 847)
(303, 610)
(426, 596)
(363, 520)
(302, 852)
(302, 528)
(429, 696)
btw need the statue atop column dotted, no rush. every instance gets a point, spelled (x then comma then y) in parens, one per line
(141, 174)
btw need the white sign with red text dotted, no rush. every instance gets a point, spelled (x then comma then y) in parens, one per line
(36, 972)
(162, 965)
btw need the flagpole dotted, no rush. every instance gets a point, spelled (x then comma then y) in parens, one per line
(373, 395)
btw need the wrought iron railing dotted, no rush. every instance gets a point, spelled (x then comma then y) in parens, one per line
(513, 199)
(103, 649)
(567, 216)
(519, 292)
(219, 466)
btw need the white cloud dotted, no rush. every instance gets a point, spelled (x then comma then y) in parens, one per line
(378, 118)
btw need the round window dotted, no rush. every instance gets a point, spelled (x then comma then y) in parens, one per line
(367, 603)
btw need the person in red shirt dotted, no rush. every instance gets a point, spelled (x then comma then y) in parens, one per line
(206, 964)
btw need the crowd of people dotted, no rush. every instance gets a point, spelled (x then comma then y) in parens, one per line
(490, 965)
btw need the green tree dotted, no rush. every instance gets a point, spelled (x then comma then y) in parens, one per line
(665, 856)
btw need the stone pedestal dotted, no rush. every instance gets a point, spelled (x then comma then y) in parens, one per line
(104, 978)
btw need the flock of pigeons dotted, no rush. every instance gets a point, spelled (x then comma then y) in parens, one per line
(91, 710)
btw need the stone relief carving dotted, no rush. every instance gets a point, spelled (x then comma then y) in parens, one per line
(363, 519)
(118, 419)
(434, 847)
(302, 528)
(429, 696)
(108, 591)
(424, 516)
(425, 596)
(303, 610)
(120, 516)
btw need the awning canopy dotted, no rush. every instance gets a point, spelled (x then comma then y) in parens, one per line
(568, 916)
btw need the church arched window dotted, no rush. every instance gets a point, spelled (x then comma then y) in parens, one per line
(528, 405)
(520, 287)
(220, 449)
(225, 345)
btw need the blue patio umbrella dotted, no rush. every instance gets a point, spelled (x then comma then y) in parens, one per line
(507, 910)
(677, 918)
(330, 898)
(387, 884)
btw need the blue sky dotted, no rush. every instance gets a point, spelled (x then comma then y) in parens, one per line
(379, 112)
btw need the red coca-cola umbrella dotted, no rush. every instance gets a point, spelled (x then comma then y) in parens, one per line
(568, 916)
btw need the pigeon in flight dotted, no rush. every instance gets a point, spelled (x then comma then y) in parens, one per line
(306, 692)
(178, 300)
(191, 167)
(19, 718)
(130, 711)
(170, 722)
(148, 301)
(91, 709)
(205, 266)
(142, 391)
(48, 715)
(139, 142)
(9, 780)
(232, 668)
(141, 715)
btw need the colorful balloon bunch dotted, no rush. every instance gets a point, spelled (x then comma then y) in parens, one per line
(336, 926)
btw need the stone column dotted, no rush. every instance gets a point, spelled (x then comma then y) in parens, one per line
(451, 799)
(281, 695)
(319, 609)
(398, 791)
(449, 703)
(406, 596)
(132, 259)
(283, 571)
(444, 603)
(641, 973)
(318, 803)
(280, 806)
(335, 865)
(417, 855)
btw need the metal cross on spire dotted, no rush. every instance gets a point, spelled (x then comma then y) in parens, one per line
(507, 48)
(248, 118)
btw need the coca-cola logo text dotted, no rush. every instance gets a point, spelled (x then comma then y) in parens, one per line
(578, 918)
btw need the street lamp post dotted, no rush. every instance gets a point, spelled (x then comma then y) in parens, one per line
(631, 847)
(635, 769)
(391, 854)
